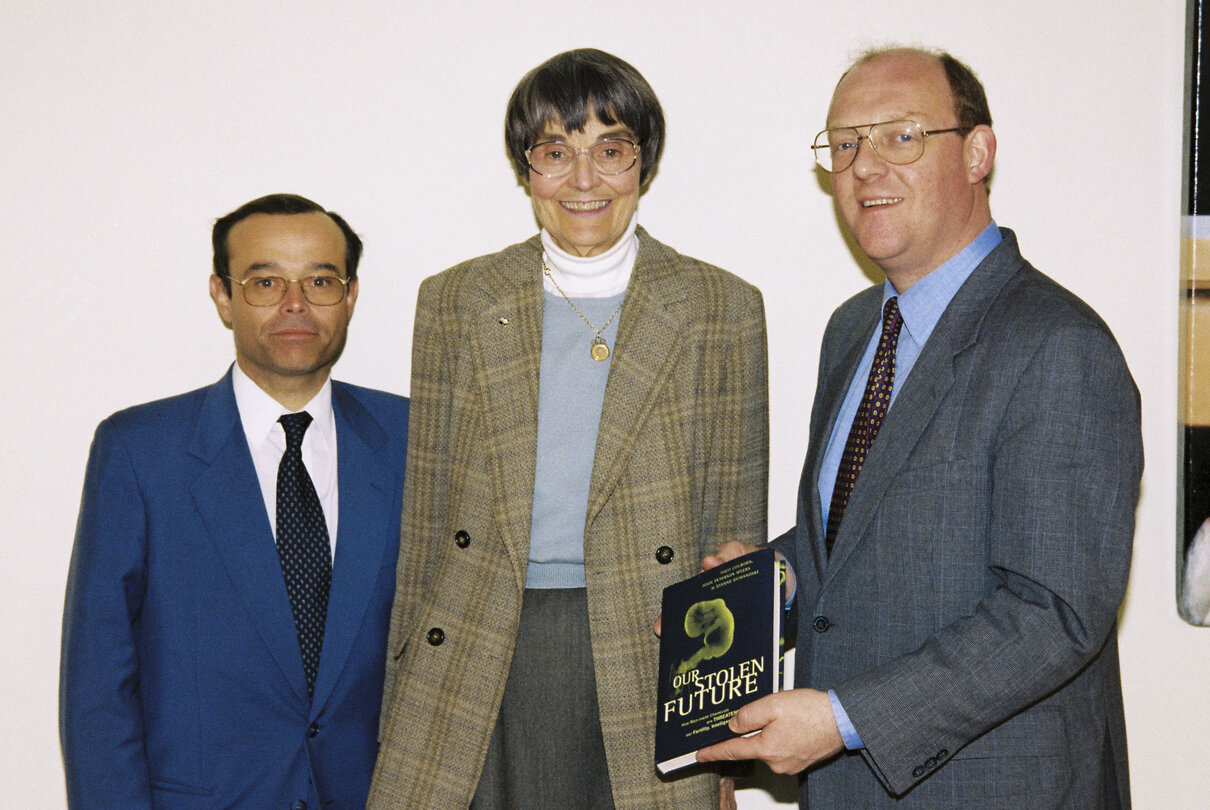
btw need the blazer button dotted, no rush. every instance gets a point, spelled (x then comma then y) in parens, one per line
(313, 730)
(821, 624)
(930, 763)
(298, 804)
(436, 636)
(461, 538)
(664, 555)
(942, 754)
(918, 771)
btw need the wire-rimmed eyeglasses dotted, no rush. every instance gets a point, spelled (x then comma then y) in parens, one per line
(898, 142)
(267, 291)
(555, 158)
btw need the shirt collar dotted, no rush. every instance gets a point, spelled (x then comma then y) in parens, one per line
(259, 412)
(923, 303)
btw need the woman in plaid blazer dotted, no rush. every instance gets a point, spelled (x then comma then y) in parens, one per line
(588, 420)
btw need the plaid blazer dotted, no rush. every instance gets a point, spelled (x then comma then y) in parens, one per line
(681, 461)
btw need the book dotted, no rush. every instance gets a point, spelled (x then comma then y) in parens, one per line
(720, 649)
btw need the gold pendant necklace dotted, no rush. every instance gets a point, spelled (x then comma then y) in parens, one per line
(599, 350)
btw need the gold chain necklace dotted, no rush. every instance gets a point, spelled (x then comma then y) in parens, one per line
(600, 349)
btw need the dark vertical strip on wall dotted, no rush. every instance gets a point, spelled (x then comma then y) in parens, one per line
(1195, 466)
(1197, 196)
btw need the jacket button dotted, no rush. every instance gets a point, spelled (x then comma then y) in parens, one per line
(298, 804)
(930, 763)
(918, 771)
(942, 754)
(821, 624)
(436, 636)
(664, 555)
(313, 729)
(461, 538)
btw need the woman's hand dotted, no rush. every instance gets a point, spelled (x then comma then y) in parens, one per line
(726, 552)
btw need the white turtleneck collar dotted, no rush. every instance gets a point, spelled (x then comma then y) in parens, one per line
(596, 276)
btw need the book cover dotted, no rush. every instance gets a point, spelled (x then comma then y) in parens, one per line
(720, 649)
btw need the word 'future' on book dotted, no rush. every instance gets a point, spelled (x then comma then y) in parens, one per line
(721, 648)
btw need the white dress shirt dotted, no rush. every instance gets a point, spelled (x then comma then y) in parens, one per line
(259, 413)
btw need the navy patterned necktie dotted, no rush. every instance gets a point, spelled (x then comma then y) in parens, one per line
(870, 413)
(302, 546)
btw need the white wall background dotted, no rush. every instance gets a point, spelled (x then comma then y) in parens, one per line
(126, 127)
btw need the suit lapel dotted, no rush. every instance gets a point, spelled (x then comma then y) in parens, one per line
(228, 497)
(650, 338)
(922, 394)
(829, 400)
(362, 532)
(912, 411)
(506, 320)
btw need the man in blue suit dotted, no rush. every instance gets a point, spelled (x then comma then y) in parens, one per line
(966, 512)
(230, 588)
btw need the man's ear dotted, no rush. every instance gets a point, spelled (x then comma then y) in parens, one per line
(979, 152)
(351, 295)
(222, 301)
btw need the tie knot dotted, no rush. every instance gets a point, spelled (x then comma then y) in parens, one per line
(295, 425)
(891, 317)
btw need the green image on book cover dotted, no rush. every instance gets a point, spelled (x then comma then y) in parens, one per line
(721, 648)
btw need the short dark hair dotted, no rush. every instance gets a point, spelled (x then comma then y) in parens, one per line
(568, 88)
(281, 204)
(970, 100)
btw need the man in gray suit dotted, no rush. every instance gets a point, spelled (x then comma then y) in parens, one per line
(961, 556)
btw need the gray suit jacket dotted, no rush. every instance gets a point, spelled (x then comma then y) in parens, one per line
(966, 617)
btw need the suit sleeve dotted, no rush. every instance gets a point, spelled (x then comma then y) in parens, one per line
(739, 455)
(1065, 467)
(100, 711)
(785, 543)
(426, 480)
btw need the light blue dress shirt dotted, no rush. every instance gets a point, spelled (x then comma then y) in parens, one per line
(921, 306)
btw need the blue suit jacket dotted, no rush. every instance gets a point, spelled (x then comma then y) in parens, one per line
(181, 682)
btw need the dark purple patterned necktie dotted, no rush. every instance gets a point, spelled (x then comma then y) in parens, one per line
(870, 413)
(302, 546)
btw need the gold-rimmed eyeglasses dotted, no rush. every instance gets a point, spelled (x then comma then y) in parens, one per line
(555, 158)
(268, 291)
(898, 142)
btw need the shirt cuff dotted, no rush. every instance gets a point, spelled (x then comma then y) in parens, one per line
(852, 740)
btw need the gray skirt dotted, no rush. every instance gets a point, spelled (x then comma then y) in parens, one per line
(547, 750)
